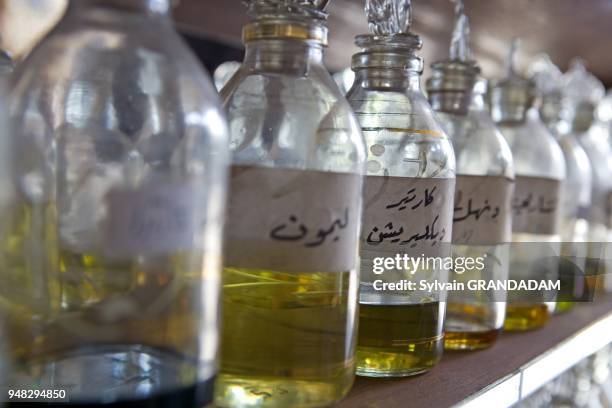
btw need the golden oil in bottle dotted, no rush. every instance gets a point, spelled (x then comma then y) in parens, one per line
(284, 338)
(399, 340)
(482, 333)
(150, 304)
(526, 317)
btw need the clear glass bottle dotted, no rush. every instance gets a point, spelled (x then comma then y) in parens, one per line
(111, 266)
(582, 93)
(408, 197)
(7, 193)
(290, 278)
(578, 181)
(540, 170)
(485, 180)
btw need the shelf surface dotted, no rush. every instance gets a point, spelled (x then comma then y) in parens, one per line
(517, 365)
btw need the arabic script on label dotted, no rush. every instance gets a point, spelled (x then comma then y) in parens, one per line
(292, 220)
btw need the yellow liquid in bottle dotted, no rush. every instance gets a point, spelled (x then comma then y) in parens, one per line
(479, 336)
(399, 340)
(526, 317)
(106, 302)
(288, 338)
(61, 307)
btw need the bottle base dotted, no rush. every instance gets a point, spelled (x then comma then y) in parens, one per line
(116, 376)
(382, 362)
(245, 392)
(528, 317)
(470, 340)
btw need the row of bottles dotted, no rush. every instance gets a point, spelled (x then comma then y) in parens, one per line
(114, 276)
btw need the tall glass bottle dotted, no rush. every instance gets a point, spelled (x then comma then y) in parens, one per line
(536, 206)
(290, 278)
(574, 213)
(7, 194)
(111, 265)
(408, 197)
(582, 93)
(483, 194)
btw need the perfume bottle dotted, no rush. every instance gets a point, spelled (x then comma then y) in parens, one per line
(582, 93)
(575, 206)
(482, 218)
(7, 192)
(536, 206)
(290, 276)
(112, 261)
(408, 200)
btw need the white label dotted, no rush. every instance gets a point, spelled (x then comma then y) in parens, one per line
(536, 207)
(153, 219)
(407, 215)
(483, 214)
(293, 220)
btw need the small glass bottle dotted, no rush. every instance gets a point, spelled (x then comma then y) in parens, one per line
(574, 217)
(408, 200)
(485, 180)
(582, 93)
(536, 207)
(290, 277)
(111, 267)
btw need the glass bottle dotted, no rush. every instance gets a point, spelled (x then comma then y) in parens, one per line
(582, 93)
(408, 197)
(7, 194)
(483, 194)
(536, 206)
(290, 277)
(574, 214)
(111, 266)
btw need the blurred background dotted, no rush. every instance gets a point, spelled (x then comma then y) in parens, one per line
(562, 28)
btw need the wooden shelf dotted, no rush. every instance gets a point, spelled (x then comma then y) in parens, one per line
(515, 367)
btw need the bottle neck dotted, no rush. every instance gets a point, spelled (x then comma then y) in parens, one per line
(388, 79)
(289, 56)
(157, 7)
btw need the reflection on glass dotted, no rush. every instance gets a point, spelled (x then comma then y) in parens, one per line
(110, 249)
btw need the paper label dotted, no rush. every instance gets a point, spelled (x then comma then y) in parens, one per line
(536, 206)
(293, 220)
(483, 213)
(153, 219)
(406, 215)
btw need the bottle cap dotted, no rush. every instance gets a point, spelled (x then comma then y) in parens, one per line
(390, 44)
(452, 82)
(289, 19)
(547, 78)
(512, 97)
(582, 91)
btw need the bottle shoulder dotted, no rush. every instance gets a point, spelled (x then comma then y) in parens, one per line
(118, 95)
(535, 150)
(140, 57)
(480, 149)
(402, 134)
(292, 120)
